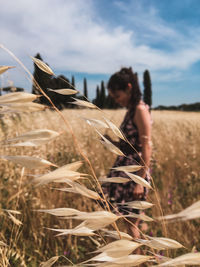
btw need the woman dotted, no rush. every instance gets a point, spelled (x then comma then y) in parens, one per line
(123, 87)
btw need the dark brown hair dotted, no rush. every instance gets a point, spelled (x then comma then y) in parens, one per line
(120, 80)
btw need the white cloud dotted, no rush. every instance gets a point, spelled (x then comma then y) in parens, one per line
(69, 37)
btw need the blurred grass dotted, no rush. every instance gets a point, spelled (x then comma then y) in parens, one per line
(175, 170)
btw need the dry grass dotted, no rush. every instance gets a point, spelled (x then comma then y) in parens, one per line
(175, 169)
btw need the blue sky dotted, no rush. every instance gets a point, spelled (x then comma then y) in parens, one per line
(95, 38)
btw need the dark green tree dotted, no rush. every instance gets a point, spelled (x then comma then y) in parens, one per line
(10, 89)
(102, 98)
(46, 81)
(73, 82)
(98, 93)
(41, 78)
(96, 101)
(85, 91)
(147, 96)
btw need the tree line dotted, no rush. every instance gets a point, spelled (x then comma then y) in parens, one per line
(182, 107)
(102, 100)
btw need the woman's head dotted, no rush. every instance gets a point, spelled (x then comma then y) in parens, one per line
(123, 87)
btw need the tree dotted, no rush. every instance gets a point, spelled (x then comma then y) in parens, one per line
(96, 101)
(42, 79)
(102, 97)
(73, 82)
(46, 82)
(11, 89)
(147, 96)
(85, 92)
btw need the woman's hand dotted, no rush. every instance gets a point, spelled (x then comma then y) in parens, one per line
(138, 191)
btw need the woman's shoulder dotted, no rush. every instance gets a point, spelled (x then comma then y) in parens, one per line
(141, 106)
(142, 113)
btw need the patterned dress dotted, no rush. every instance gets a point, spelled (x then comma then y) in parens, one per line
(121, 193)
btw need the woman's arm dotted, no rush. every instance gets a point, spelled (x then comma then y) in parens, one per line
(142, 120)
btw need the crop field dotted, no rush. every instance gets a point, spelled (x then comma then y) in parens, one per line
(25, 235)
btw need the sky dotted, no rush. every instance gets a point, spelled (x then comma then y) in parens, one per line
(95, 38)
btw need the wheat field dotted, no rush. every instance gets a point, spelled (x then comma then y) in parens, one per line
(174, 169)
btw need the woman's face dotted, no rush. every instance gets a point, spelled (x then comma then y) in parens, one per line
(121, 97)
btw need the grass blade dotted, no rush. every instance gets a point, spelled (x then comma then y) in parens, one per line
(61, 212)
(160, 243)
(29, 162)
(83, 103)
(82, 231)
(115, 234)
(17, 97)
(96, 123)
(41, 65)
(50, 262)
(130, 260)
(96, 220)
(40, 134)
(82, 190)
(26, 107)
(139, 180)
(137, 204)
(119, 180)
(109, 145)
(67, 171)
(140, 216)
(129, 168)
(34, 138)
(5, 68)
(119, 248)
(64, 91)
(186, 259)
(115, 129)
(3, 244)
(15, 220)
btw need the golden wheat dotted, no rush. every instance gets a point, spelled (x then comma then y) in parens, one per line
(172, 132)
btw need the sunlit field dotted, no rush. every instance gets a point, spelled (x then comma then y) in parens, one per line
(175, 170)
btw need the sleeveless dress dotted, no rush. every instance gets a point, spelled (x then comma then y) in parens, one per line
(121, 193)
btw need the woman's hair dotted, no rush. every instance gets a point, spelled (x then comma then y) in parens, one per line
(120, 80)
